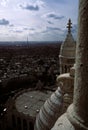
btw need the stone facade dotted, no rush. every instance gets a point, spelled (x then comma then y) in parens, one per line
(66, 82)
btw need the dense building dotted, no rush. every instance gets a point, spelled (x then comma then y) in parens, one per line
(28, 105)
(23, 107)
(23, 72)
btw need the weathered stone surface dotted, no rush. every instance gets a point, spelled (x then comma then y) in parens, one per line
(81, 78)
(77, 114)
(66, 82)
(63, 124)
(50, 111)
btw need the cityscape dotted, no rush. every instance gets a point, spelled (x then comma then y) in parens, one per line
(33, 77)
(43, 65)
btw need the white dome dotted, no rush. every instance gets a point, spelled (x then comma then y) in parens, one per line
(68, 47)
(67, 51)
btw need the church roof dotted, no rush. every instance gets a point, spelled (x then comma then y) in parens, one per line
(29, 103)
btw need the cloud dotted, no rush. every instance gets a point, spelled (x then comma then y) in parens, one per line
(30, 7)
(33, 6)
(56, 1)
(4, 2)
(16, 31)
(40, 3)
(25, 28)
(32, 29)
(50, 22)
(4, 22)
(11, 25)
(51, 29)
(53, 16)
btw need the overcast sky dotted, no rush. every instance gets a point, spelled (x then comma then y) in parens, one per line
(39, 20)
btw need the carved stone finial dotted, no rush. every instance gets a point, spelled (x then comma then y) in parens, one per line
(69, 26)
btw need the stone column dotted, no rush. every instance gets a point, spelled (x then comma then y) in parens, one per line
(80, 103)
(76, 117)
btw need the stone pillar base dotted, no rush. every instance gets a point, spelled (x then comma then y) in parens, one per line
(63, 123)
(69, 121)
(77, 121)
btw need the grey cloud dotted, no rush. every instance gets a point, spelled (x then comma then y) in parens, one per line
(53, 29)
(49, 29)
(18, 31)
(54, 16)
(25, 28)
(51, 33)
(4, 22)
(50, 22)
(45, 31)
(30, 7)
(11, 25)
(32, 29)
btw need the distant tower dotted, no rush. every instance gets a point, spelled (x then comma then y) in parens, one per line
(67, 51)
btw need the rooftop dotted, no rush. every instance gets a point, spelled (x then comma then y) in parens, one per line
(30, 102)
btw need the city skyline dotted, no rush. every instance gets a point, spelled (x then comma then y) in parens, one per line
(37, 20)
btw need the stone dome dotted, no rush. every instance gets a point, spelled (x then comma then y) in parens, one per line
(68, 47)
(51, 108)
(67, 51)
